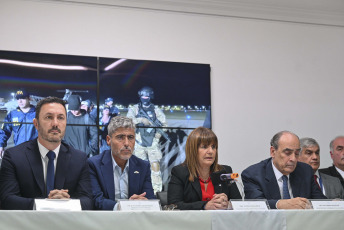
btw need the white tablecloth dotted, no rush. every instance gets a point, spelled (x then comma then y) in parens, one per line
(174, 220)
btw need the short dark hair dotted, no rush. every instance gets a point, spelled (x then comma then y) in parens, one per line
(275, 139)
(48, 100)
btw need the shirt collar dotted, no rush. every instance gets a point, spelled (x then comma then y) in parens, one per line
(317, 174)
(341, 172)
(43, 150)
(114, 164)
(278, 174)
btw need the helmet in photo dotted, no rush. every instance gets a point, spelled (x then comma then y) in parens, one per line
(147, 92)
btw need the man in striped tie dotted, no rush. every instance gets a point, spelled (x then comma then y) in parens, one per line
(281, 179)
(310, 154)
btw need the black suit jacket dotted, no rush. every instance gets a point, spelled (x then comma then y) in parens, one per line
(260, 182)
(22, 179)
(188, 195)
(332, 171)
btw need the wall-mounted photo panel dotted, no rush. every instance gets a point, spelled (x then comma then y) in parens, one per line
(26, 78)
(166, 100)
(180, 90)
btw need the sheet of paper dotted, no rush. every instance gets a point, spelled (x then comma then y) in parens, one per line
(139, 205)
(249, 205)
(57, 205)
(327, 204)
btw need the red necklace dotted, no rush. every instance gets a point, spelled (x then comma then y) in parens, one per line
(204, 181)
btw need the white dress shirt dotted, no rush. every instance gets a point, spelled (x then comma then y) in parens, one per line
(43, 151)
(341, 172)
(320, 183)
(278, 176)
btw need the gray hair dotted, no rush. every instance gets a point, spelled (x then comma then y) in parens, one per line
(331, 143)
(120, 122)
(308, 142)
(275, 139)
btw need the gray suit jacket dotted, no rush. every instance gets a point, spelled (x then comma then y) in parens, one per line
(332, 185)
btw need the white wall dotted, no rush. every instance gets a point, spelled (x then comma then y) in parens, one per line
(266, 76)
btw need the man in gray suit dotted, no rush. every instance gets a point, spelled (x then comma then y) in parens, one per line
(337, 155)
(310, 154)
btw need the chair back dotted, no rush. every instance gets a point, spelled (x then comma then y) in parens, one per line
(162, 196)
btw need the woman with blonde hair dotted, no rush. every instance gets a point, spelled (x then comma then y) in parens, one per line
(196, 184)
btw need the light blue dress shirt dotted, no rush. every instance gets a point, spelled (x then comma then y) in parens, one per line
(121, 181)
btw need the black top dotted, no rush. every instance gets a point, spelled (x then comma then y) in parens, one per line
(188, 195)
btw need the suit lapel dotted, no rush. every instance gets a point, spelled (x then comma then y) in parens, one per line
(217, 183)
(325, 183)
(134, 176)
(107, 173)
(334, 172)
(62, 166)
(296, 184)
(34, 157)
(197, 187)
(272, 185)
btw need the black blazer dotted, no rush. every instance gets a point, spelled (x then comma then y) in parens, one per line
(22, 180)
(188, 195)
(332, 171)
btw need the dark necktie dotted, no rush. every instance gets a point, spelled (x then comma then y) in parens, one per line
(316, 180)
(286, 194)
(50, 172)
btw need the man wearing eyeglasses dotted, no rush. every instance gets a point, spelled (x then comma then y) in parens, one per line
(116, 173)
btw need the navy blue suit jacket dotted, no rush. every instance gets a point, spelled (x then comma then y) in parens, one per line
(22, 179)
(260, 182)
(102, 179)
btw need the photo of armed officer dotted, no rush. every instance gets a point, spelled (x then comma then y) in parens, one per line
(147, 147)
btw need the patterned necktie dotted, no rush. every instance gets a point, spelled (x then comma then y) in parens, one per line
(286, 194)
(50, 172)
(316, 180)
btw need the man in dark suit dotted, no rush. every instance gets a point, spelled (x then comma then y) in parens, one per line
(116, 173)
(337, 155)
(284, 182)
(28, 170)
(310, 154)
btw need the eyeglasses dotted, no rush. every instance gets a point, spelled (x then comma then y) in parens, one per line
(122, 137)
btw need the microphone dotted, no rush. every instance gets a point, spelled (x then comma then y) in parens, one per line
(229, 176)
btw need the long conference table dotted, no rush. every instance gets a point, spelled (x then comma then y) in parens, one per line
(174, 220)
